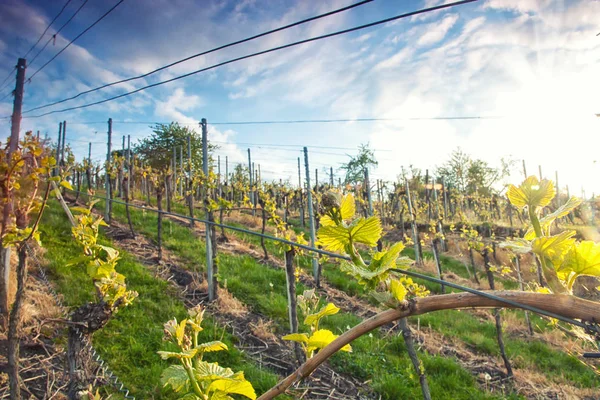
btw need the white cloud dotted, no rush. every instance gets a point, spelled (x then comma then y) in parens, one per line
(437, 31)
(172, 108)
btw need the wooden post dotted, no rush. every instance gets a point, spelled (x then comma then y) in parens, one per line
(436, 255)
(490, 276)
(290, 280)
(417, 244)
(210, 270)
(7, 216)
(311, 219)
(412, 353)
(300, 190)
(520, 278)
(250, 171)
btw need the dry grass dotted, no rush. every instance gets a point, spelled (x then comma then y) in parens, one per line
(264, 330)
(230, 305)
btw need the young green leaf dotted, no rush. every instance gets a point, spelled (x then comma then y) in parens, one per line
(532, 193)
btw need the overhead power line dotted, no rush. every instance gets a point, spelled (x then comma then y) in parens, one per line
(53, 37)
(248, 39)
(313, 39)
(76, 37)
(8, 77)
(6, 95)
(46, 30)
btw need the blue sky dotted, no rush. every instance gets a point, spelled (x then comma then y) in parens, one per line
(531, 63)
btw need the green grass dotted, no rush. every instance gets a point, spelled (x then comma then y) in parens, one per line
(130, 340)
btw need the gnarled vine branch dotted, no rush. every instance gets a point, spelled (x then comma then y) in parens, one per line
(565, 305)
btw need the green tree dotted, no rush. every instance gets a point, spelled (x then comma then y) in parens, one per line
(356, 166)
(469, 175)
(156, 151)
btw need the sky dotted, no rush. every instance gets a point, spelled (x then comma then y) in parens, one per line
(527, 69)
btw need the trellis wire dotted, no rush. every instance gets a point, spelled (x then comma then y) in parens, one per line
(591, 328)
(112, 377)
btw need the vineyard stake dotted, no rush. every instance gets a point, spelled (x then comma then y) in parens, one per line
(107, 183)
(311, 218)
(209, 259)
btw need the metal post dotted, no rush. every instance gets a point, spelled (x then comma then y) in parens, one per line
(540, 169)
(209, 259)
(368, 191)
(413, 223)
(90, 153)
(331, 176)
(108, 151)
(251, 183)
(524, 169)
(58, 148)
(219, 176)
(445, 198)
(129, 174)
(302, 221)
(311, 219)
(64, 140)
(181, 170)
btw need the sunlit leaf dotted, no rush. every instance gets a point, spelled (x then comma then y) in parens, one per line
(532, 193)
(554, 247)
(546, 221)
(176, 377)
(582, 259)
(398, 290)
(518, 246)
(212, 346)
(296, 337)
(348, 207)
(211, 371)
(66, 184)
(329, 309)
(233, 386)
(321, 338)
(333, 238)
(366, 231)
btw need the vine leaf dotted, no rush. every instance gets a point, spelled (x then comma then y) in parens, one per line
(378, 270)
(209, 347)
(176, 377)
(366, 231)
(347, 208)
(206, 371)
(329, 309)
(554, 247)
(297, 337)
(532, 193)
(398, 290)
(321, 338)
(333, 237)
(583, 259)
(232, 386)
(547, 221)
(519, 246)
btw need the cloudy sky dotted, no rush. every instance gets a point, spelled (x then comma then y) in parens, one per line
(527, 68)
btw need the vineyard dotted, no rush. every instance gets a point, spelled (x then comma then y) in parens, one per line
(173, 267)
(406, 289)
